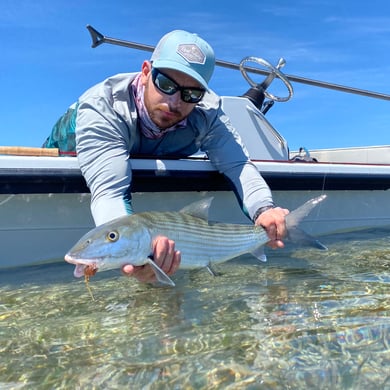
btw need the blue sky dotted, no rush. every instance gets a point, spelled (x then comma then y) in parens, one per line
(47, 60)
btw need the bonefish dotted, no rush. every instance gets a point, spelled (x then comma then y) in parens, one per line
(128, 239)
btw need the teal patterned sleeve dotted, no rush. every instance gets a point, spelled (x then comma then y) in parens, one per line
(63, 133)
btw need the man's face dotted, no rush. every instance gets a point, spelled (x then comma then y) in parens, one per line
(166, 110)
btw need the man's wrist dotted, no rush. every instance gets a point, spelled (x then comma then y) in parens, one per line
(261, 211)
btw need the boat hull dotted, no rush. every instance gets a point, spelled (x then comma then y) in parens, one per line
(45, 204)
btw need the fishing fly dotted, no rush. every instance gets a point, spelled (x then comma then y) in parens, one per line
(89, 270)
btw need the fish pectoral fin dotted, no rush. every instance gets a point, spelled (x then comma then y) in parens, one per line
(299, 236)
(161, 276)
(259, 254)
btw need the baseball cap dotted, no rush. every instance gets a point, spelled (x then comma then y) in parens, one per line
(186, 52)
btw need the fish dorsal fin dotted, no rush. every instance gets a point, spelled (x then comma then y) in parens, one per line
(199, 209)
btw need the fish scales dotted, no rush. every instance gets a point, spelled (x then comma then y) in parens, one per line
(201, 242)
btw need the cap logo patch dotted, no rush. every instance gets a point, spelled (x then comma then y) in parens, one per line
(191, 53)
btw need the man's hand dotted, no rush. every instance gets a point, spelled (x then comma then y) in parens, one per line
(274, 222)
(164, 255)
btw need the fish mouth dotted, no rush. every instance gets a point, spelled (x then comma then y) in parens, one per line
(82, 267)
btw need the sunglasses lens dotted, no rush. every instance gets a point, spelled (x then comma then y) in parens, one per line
(169, 87)
(192, 95)
(164, 84)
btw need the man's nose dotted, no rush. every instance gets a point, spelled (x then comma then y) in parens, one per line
(175, 100)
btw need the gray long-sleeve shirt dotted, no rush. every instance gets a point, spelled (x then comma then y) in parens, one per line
(107, 135)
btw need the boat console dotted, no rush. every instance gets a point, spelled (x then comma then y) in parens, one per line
(247, 113)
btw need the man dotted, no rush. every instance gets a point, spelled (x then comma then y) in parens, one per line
(166, 109)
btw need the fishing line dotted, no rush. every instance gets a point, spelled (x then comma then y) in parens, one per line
(322, 193)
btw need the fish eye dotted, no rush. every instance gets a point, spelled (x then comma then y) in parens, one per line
(112, 236)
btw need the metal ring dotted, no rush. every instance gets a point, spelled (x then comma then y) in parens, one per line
(274, 70)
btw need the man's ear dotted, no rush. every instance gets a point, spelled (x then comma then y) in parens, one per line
(145, 71)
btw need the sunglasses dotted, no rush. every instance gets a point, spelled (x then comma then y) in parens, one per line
(168, 86)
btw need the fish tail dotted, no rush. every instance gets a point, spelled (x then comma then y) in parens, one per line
(294, 233)
(297, 235)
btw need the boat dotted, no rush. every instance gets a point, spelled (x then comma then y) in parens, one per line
(45, 203)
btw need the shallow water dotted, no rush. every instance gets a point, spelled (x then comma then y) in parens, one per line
(305, 319)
